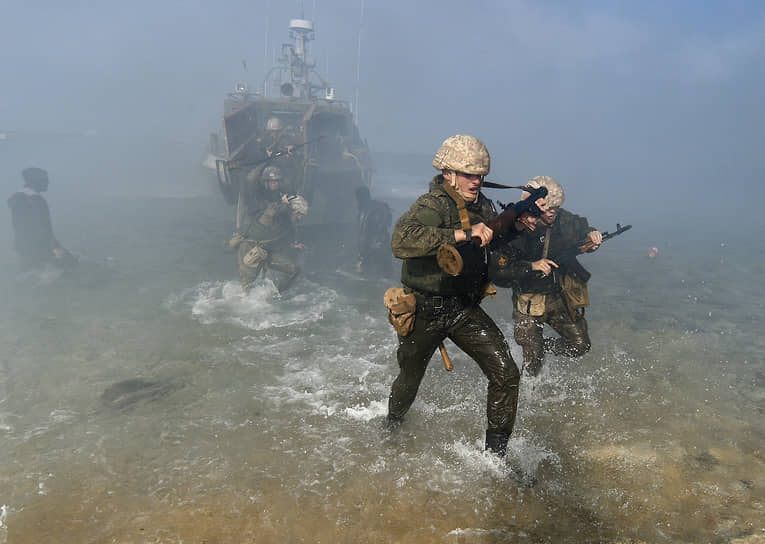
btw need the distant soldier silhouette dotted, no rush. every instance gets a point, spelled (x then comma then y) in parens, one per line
(375, 218)
(34, 240)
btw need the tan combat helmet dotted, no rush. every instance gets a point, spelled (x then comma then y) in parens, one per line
(555, 194)
(271, 173)
(274, 124)
(463, 153)
(298, 204)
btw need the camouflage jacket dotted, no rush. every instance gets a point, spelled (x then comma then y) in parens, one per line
(429, 223)
(567, 230)
(273, 226)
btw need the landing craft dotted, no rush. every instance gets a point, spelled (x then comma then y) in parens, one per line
(332, 158)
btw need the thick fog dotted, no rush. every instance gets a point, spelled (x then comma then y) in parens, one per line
(640, 101)
(146, 397)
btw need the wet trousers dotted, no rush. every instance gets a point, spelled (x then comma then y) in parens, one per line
(475, 333)
(278, 259)
(574, 340)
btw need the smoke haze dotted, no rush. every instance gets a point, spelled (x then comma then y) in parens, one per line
(639, 102)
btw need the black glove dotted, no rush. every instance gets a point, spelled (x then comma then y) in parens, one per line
(529, 204)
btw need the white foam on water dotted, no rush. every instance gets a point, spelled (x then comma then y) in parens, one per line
(478, 533)
(47, 275)
(56, 417)
(524, 457)
(261, 309)
(376, 408)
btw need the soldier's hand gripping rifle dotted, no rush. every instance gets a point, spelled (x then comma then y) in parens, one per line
(450, 257)
(513, 212)
(567, 259)
(223, 167)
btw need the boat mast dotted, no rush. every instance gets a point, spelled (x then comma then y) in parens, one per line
(358, 65)
(300, 63)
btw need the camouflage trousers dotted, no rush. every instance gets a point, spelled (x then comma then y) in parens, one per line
(474, 332)
(278, 259)
(574, 340)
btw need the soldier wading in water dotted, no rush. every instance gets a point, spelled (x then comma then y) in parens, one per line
(542, 284)
(434, 305)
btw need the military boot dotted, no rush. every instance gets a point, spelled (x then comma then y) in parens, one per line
(391, 422)
(497, 443)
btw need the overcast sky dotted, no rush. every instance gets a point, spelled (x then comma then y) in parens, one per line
(600, 94)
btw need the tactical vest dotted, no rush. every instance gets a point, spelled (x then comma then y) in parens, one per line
(423, 274)
(566, 230)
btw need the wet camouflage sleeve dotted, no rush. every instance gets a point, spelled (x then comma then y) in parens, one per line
(269, 215)
(422, 229)
(568, 229)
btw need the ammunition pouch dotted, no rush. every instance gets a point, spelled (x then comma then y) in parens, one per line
(532, 304)
(575, 293)
(402, 308)
(450, 260)
(255, 258)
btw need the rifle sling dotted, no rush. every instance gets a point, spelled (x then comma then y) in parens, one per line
(547, 242)
(464, 219)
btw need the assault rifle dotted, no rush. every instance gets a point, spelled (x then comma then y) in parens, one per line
(567, 259)
(233, 164)
(512, 212)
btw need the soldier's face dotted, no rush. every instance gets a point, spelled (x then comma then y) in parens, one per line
(548, 216)
(468, 185)
(273, 185)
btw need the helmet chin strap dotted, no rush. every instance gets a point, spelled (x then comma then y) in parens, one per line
(452, 179)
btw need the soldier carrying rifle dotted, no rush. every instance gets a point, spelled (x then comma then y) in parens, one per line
(453, 217)
(547, 290)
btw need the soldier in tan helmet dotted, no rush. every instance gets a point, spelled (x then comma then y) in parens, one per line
(441, 305)
(540, 285)
(270, 242)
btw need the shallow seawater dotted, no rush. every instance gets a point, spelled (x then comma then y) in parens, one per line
(268, 424)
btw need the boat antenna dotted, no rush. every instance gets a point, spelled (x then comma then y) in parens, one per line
(265, 43)
(358, 64)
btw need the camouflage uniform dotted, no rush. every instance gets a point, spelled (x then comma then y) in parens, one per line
(290, 164)
(272, 230)
(567, 230)
(448, 307)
